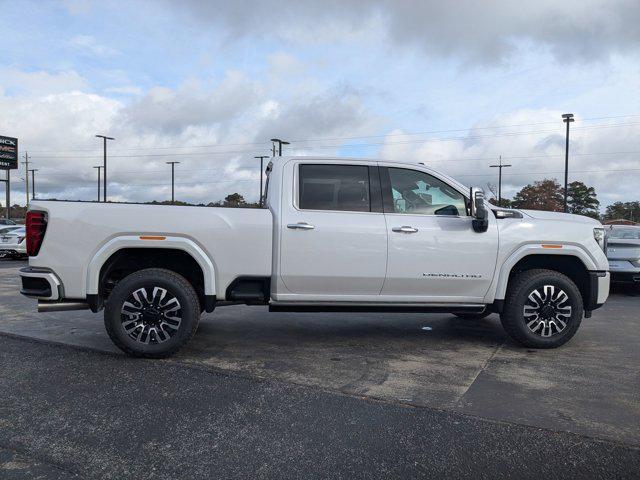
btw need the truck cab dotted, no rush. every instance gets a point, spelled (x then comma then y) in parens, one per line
(335, 234)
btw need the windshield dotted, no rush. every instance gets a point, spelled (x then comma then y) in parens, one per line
(631, 233)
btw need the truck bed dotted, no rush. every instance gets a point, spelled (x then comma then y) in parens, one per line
(237, 240)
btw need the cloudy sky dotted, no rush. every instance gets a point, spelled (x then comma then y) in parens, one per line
(451, 84)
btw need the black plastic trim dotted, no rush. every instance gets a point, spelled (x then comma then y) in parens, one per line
(591, 303)
(375, 190)
(95, 302)
(209, 303)
(252, 290)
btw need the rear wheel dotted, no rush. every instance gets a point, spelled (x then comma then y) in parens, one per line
(542, 309)
(152, 313)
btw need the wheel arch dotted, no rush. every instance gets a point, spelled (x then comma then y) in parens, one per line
(568, 260)
(133, 253)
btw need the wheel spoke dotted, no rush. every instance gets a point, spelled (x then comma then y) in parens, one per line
(151, 315)
(547, 310)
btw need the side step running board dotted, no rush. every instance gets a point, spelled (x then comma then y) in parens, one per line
(394, 308)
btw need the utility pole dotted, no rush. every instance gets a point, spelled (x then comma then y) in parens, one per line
(104, 165)
(173, 178)
(566, 118)
(98, 167)
(500, 166)
(33, 183)
(262, 157)
(280, 143)
(26, 177)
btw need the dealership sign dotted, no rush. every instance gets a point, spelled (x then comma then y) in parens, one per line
(8, 153)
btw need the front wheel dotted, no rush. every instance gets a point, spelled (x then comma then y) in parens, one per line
(152, 313)
(542, 308)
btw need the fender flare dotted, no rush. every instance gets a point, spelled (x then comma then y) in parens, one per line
(135, 241)
(565, 250)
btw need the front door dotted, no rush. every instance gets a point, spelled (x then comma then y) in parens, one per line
(333, 233)
(434, 255)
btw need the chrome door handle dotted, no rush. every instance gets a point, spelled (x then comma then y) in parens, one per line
(404, 229)
(300, 226)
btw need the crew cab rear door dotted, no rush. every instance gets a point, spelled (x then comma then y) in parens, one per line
(434, 255)
(333, 238)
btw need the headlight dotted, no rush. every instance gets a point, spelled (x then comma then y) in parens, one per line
(600, 237)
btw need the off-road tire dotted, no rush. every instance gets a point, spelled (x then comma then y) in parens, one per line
(174, 284)
(513, 317)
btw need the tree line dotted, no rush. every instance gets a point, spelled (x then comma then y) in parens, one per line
(548, 195)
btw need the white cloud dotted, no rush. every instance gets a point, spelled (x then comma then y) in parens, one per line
(168, 124)
(125, 90)
(89, 44)
(40, 82)
(603, 153)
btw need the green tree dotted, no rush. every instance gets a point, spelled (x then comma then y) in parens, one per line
(623, 210)
(234, 200)
(582, 200)
(541, 195)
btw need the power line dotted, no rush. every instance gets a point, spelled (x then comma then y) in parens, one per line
(324, 139)
(352, 145)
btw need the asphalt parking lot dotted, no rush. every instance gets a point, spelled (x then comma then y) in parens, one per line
(584, 394)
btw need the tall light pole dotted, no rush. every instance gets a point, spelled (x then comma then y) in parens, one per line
(173, 178)
(566, 118)
(33, 183)
(98, 167)
(104, 165)
(261, 157)
(280, 143)
(500, 166)
(26, 177)
(7, 182)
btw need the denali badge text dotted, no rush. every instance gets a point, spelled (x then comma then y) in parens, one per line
(452, 275)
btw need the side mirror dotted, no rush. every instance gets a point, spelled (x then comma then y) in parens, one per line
(479, 212)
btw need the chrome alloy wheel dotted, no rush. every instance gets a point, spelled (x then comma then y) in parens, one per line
(546, 310)
(151, 315)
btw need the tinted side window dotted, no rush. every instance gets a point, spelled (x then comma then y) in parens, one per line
(416, 192)
(334, 187)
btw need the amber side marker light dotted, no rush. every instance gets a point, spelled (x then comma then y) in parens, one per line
(151, 237)
(551, 246)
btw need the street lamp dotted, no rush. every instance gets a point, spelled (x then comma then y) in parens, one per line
(280, 143)
(566, 118)
(104, 166)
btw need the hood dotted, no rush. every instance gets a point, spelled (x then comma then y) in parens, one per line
(565, 217)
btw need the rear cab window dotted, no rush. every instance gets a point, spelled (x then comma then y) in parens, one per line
(334, 187)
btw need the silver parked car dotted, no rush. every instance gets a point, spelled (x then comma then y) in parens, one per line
(13, 243)
(623, 252)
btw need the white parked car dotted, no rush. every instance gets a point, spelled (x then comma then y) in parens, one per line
(335, 235)
(12, 242)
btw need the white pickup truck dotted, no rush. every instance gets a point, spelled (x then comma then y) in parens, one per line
(334, 235)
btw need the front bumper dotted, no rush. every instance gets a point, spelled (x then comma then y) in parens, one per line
(624, 271)
(40, 283)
